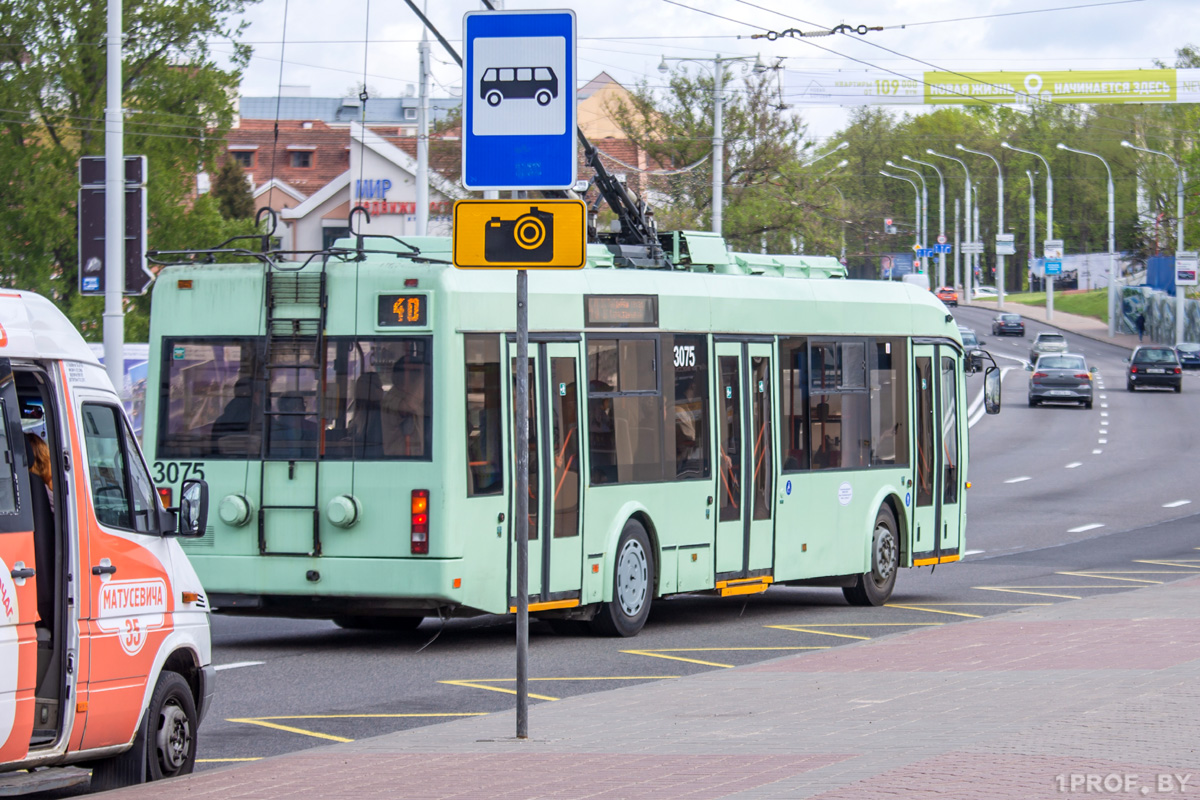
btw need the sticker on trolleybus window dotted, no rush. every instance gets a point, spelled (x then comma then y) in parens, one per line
(131, 609)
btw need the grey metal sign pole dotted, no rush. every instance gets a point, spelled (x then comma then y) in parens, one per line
(521, 529)
(114, 207)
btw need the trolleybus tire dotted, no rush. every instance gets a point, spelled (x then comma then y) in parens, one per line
(633, 585)
(874, 588)
(396, 624)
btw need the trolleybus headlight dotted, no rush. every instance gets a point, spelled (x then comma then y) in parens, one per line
(420, 521)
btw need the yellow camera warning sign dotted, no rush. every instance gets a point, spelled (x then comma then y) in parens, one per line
(520, 234)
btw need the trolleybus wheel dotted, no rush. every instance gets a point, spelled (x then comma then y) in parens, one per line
(378, 623)
(633, 585)
(875, 587)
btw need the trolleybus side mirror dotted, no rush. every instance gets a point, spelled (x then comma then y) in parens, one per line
(991, 390)
(193, 509)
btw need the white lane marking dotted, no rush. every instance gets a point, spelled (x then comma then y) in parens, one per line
(1019, 480)
(1097, 452)
(1102, 441)
(973, 552)
(1090, 527)
(1104, 405)
(1103, 397)
(238, 665)
(1176, 504)
(1104, 413)
(976, 411)
(1074, 464)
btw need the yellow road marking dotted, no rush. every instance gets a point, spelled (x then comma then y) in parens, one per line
(290, 729)
(224, 760)
(474, 683)
(973, 604)
(798, 629)
(1189, 563)
(1040, 594)
(378, 716)
(1110, 577)
(934, 611)
(663, 653)
(868, 624)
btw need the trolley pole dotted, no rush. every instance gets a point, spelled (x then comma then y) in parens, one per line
(521, 529)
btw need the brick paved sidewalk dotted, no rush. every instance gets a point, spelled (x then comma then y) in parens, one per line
(1099, 696)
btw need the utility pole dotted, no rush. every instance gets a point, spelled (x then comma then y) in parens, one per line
(957, 248)
(114, 207)
(423, 136)
(718, 196)
(1032, 220)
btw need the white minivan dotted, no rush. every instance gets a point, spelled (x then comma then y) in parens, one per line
(105, 650)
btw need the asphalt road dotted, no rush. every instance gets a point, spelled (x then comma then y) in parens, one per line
(1065, 503)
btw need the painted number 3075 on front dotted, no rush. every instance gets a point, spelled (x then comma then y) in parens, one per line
(176, 471)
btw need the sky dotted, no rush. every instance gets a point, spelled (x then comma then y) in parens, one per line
(328, 47)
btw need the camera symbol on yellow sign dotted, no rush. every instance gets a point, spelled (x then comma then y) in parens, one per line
(516, 234)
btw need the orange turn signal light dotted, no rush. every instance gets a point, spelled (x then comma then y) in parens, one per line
(190, 597)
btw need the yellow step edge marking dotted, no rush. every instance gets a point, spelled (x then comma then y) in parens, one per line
(924, 562)
(290, 729)
(225, 760)
(379, 716)
(1108, 577)
(948, 559)
(1041, 594)
(736, 581)
(753, 588)
(934, 611)
(797, 629)
(548, 606)
(476, 685)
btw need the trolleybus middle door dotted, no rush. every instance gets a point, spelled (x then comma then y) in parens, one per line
(555, 543)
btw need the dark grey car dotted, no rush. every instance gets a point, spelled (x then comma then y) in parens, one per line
(1154, 366)
(1061, 377)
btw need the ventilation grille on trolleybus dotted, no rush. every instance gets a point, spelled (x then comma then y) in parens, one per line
(199, 542)
(297, 288)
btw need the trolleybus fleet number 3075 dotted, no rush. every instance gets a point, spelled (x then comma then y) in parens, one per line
(689, 432)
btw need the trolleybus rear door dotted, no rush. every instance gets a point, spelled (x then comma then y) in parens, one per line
(745, 462)
(936, 531)
(555, 554)
(18, 591)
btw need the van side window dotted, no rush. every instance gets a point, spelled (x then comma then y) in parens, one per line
(122, 493)
(8, 484)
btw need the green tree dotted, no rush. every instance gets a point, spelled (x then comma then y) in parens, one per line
(232, 192)
(177, 103)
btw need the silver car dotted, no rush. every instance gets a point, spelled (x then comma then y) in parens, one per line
(1061, 376)
(1047, 343)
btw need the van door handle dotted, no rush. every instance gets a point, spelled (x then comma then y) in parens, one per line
(24, 572)
(104, 569)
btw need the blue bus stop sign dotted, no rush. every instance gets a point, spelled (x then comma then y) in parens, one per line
(519, 100)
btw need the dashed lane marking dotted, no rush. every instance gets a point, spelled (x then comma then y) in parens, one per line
(664, 653)
(268, 722)
(238, 665)
(1091, 526)
(1176, 504)
(1074, 464)
(1097, 452)
(1019, 480)
(1102, 441)
(973, 552)
(478, 683)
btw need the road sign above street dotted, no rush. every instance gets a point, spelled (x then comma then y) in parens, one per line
(520, 234)
(942, 247)
(519, 100)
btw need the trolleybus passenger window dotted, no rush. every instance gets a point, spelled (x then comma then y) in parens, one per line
(122, 493)
(839, 406)
(889, 404)
(924, 395)
(685, 365)
(625, 411)
(764, 468)
(729, 425)
(949, 431)
(565, 430)
(484, 471)
(212, 395)
(793, 355)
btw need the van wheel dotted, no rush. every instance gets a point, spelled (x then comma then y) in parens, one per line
(874, 588)
(633, 585)
(171, 737)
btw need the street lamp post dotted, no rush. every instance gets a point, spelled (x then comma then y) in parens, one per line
(999, 219)
(966, 207)
(924, 201)
(1049, 221)
(1112, 239)
(1181, 179)
(1032, 217)
(916, 195)
(718, 138)
(941, 215)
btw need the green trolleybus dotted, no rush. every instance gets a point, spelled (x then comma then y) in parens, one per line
(721, 426)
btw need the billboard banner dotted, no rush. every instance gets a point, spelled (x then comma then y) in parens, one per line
(876, 87)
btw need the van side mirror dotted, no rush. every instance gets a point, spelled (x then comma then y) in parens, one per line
(991, 390)
(193, 509)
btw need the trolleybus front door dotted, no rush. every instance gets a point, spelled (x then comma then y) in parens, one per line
(745, 460)
(936, 529)
(555, 490)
